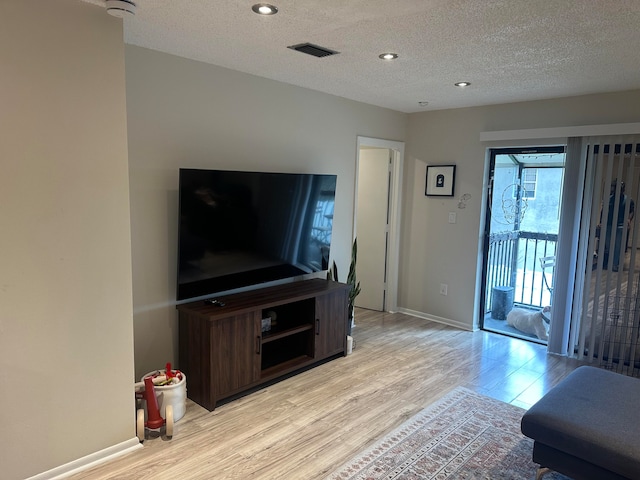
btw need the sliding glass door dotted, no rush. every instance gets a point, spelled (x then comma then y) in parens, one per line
(521, 234)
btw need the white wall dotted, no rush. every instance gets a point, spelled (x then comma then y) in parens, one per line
(66, 336)
(434, 251)
(183, 113)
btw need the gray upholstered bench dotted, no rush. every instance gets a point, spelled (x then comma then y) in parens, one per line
(588, 426)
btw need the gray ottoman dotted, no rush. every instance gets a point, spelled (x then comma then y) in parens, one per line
(588, 426)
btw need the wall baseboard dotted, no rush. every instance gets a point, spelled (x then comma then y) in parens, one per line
(434, 318)
(84, 463)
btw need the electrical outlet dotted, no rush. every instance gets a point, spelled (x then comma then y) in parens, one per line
(443, 288)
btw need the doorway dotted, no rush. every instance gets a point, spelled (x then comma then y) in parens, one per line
(521, 235)
(377, 221)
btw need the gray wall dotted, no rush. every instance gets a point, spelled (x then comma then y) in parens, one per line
(434, 251)
(66, 336)
(183, 113)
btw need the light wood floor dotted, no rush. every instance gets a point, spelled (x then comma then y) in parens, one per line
(308, 425)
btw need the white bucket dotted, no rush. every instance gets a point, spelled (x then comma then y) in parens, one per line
(174, 394)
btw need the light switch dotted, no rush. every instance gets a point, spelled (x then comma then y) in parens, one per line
(452, 217)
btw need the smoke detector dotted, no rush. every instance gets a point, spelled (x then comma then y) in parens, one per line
(120, 8)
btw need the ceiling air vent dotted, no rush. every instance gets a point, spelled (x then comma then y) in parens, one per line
(311, 49)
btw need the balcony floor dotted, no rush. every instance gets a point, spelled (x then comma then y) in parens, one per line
(500, 326)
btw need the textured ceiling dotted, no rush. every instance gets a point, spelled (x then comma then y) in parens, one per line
(510, 50)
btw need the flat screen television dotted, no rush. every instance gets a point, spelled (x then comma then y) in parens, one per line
(241, 229)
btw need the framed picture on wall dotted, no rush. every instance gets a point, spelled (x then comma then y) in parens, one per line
(440, 180)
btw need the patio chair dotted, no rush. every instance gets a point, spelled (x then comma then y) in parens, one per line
(548, 263)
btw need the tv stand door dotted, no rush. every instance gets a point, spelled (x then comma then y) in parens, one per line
(331, 326)
(220, 355)
(235, 345)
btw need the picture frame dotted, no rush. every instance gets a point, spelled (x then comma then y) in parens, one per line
(440, 180)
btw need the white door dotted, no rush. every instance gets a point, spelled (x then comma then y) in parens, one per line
(372, 219)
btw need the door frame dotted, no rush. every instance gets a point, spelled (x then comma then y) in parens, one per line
(395, 209)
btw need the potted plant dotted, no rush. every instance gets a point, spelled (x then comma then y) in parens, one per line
(332, 274)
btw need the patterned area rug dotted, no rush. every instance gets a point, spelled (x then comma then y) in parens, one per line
(464, 435)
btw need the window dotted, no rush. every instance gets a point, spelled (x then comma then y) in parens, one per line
(528, 182)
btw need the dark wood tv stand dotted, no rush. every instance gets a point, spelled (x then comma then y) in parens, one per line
(224, 352)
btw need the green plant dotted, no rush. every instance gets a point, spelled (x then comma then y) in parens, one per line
(332, 274)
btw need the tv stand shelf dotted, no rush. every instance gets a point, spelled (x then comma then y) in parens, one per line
(293, 364)
(224, 352)
(272, 337)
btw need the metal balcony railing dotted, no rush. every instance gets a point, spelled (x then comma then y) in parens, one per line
(514, 261)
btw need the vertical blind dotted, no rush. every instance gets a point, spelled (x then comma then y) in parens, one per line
(605, 329)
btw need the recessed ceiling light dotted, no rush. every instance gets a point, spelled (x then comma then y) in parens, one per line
(264, 9)
(388, 56)
(462, 84)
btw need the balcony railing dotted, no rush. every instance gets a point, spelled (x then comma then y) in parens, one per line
(514, 261)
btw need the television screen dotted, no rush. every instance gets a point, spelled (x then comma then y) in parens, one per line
(239, 229)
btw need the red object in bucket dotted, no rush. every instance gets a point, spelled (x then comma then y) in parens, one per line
(168, 371)
(154, 420)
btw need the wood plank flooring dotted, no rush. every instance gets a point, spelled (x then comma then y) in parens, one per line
(306, 426)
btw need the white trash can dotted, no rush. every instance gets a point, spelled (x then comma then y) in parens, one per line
(174, 394)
